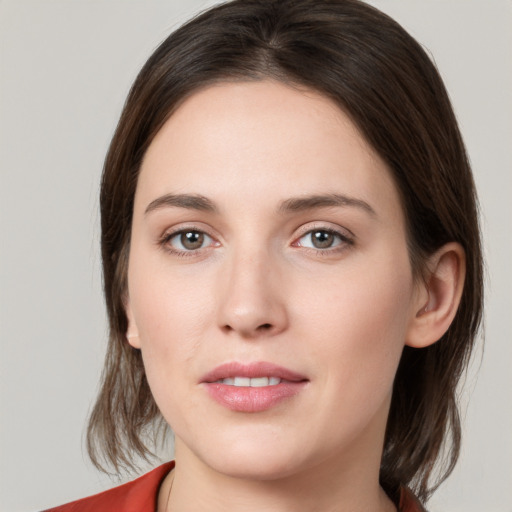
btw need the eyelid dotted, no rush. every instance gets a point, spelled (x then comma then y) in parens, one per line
(164, 240)
(346, 237)
(325, 226)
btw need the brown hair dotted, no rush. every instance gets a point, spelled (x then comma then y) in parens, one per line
(382, 78)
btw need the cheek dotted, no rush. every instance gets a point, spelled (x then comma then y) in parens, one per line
(170, 324)
(170, 308)
(362, 318)
(172, 311)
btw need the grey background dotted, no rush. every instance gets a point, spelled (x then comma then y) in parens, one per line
(65, 69)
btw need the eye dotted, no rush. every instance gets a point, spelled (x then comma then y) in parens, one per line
(189, 240)
(322, 239)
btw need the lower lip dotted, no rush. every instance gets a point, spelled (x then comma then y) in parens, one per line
(249, 399)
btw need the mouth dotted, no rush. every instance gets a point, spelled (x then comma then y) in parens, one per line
(247, 382)
(254, 387)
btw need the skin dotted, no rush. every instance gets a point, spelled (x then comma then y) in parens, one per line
(258, 290)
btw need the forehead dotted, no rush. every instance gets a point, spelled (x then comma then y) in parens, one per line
(261, 139)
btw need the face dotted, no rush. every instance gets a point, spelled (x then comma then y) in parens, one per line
(269, 284)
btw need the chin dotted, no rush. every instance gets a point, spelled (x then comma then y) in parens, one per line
(260, 465)
(257, 457)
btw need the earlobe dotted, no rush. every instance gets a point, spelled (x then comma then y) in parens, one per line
(132, 332)
(440, 297)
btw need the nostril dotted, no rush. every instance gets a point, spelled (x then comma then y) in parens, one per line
(265, 327)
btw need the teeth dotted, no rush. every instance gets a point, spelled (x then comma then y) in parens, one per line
(256, 382)
(242, 381)
(259, 382)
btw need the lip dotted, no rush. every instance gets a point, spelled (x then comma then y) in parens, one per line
(252, 399)
(251, 370)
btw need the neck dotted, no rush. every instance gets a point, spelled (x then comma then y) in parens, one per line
(326, 487)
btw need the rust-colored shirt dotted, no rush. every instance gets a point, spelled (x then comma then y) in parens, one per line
(141, 496)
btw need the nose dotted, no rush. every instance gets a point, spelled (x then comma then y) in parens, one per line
(252, 300)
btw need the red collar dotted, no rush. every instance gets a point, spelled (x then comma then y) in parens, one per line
(409, 502)
(141, 495)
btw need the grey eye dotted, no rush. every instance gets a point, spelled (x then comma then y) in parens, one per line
(320, 239)
(190, 240)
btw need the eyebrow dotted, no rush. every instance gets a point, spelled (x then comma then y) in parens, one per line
(188, 201)
(296, 204)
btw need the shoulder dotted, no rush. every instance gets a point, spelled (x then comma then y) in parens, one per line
(140, 495)
(409, 502)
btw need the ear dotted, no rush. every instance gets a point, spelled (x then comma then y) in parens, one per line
(438, 295)
(132, 332)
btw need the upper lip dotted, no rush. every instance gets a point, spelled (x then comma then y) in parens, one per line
(251, 370)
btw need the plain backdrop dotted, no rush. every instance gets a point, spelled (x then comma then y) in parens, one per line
(65, 69)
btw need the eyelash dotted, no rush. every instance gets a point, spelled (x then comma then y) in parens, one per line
(165, 242)
(344, 240)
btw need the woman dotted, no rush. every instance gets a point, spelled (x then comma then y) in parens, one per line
(292, 266)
